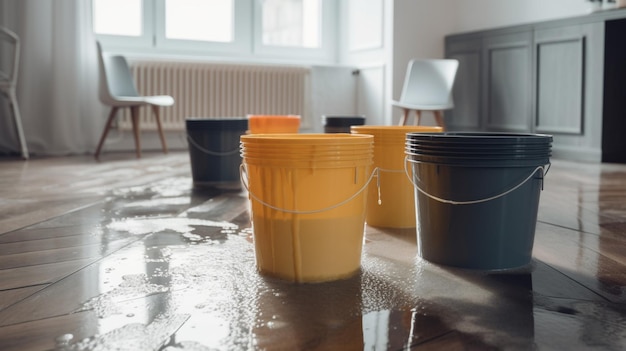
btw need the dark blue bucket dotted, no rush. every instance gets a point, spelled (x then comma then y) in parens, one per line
(477, 211)
(214, 151)
(341, 124)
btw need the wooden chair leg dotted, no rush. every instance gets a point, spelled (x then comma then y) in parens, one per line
(417, 117)
(405, 117)
(155, 110)
(105, 131)
(134, 114)
(439, 119)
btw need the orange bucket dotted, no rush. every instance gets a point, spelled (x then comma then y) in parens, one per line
(269, 124)
(308, 203)
(397, 205)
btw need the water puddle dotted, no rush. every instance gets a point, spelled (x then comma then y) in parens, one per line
(171, 187)
(183, 226)
(132, 337)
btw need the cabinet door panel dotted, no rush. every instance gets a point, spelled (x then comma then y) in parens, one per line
(508, 71)
(560, 96)
(466, 93)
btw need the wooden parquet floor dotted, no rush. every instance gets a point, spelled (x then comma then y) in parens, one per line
(124, 254)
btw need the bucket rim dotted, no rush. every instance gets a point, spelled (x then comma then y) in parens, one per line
(469, 149)
(342, 120)
(486, 163)
(215, 124)
(480, 157)
(481, 152)
(271, 117)
(478, 146)
(306, 148)
(440, 159)
(307, 164)
(319, 154)
(480, 137)
(317, 146)
(310, 157)
(393, 130)
(307, 139)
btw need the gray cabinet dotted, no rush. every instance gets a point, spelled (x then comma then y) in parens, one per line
(548, 77)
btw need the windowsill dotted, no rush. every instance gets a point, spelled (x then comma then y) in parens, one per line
(170, 56)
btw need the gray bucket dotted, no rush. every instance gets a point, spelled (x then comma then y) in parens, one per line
(214, 151)
(477, 212)
(341, 124)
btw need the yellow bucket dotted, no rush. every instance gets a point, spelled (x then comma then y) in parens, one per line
(269, 124)
(308, 203)
(397, 204)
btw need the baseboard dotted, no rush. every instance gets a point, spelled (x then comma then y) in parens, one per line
(150, 141)
(576, 154)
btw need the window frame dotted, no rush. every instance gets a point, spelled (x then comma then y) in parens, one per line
(326, 51)
(247, 40)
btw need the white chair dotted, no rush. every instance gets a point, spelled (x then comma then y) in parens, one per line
(428, 87)
(8, 80)
(117, 89)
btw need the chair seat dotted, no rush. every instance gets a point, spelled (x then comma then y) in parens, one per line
(158, 100)
(424, 107)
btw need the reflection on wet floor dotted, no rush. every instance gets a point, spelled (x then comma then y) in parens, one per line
(185, 279)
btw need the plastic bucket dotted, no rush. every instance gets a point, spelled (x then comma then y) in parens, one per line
(341, 124)
(308, 208)
(214, 151)
(396, 208)
(477, 213)
(263, 124)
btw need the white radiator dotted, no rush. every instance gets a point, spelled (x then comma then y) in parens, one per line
(212, 90)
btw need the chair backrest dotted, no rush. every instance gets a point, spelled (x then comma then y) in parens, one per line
(116, 80)
(9, 56)
(429, 82)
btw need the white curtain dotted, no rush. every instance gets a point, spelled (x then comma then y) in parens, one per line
(58, 80)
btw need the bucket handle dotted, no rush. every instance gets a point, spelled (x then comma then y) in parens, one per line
(209, 152)
(544, 170)
(243, 171)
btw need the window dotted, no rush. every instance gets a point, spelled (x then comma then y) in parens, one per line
(265, 29)
(293, 23)
(203, 20)
(126, 23)
(117, 17)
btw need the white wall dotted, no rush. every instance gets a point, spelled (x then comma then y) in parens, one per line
(371, 53)
(333, 92)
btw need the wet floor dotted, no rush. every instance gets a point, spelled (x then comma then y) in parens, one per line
(165, 267)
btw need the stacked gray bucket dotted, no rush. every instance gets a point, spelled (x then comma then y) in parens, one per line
(477, 196)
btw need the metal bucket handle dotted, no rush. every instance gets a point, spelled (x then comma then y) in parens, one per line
(544, 170)
(209, 152)
(244, 181)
